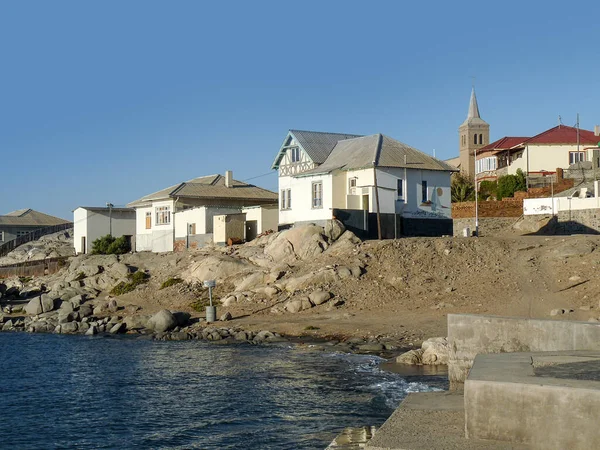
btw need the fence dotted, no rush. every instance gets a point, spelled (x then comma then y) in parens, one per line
(33, 268)
(9, 246)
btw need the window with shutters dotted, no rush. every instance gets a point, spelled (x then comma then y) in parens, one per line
(148, 220)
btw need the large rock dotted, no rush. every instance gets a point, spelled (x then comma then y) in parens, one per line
(215, 268)
(297, 305)
(48, 303)
(413, 357)
(435, 351)
(334, 229)
(319, 297)
(301, 242)
(136, 322)
(182, 318)
(319, 278)
(34, 306)
(162, 321)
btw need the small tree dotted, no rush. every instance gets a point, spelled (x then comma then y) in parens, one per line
(487, 189)
(461, 188)
(509, 184)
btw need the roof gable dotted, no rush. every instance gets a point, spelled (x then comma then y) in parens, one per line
(503, 144)
(30, 217)
(316, 144)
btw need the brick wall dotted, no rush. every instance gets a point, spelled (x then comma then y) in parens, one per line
(508, 207)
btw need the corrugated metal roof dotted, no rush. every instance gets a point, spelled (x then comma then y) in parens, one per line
(106, 209)
(211, 187)
(318, 145)
(563, 134)
(361, 152)
(29, 217)
(503, 144)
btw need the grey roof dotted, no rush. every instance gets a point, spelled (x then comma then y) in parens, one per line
(29, 218)
(378, 150)
(106, 209)
(211, 187)
(316, 144)
(473, 117)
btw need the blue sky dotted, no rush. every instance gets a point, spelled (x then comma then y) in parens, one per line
(108, 101)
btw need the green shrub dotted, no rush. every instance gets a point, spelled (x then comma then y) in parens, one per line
(487, 189)
(135, 279)
(171, 282)
(311, 327)
(509, 184)
(109, 245)
(200, 304)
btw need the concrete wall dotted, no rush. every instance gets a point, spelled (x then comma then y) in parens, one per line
(506, 401)
(488, 226)
(187, 217)
(469, 335)
(266, 217)
(95, 224)
(302, 199)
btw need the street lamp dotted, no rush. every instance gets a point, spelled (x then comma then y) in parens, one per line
(476, 199)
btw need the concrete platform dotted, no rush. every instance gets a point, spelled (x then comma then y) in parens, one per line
(549, 400)
(430, 420)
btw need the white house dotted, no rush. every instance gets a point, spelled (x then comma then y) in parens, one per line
(91, 223)
(181, 216)
(321, 175)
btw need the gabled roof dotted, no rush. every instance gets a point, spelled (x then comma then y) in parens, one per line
(563, 134)
(473, 117)
(30, 218)
(210, 187)
(377, 150)
(106, 209)
(503, 144)
(316, 144)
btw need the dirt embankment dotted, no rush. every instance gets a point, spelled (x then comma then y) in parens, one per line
(310, 284)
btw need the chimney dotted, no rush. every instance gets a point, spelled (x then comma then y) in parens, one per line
(597, 130)
(228, 178)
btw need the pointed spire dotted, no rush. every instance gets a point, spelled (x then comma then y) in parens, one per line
(473, 107)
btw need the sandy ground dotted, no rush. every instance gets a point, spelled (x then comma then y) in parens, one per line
(409, 286)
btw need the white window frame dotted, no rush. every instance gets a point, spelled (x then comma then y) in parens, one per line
(317, 194)
(286, 199)
(575, 157)
(295, 154)
(352, 184)
(162, 215)
(424, 191)
(400, 189)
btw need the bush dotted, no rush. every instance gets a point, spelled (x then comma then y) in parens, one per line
(108, 245)
(509, 184)
(171, 282)
(135, 279)
(200, 304)
(487, 189)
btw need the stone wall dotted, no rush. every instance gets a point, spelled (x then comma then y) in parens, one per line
(508, 207)
(488, 226)
(583, 221)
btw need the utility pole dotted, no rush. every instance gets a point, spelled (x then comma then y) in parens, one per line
(110, 207)
(476, 198)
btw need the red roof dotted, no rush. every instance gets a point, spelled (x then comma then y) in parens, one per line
(563, 134)
(502, 144)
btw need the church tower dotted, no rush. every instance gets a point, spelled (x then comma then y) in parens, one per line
(473, 134)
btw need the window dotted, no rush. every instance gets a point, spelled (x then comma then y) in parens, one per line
(424, 195)
(1, 236)
(148, 220)
(22, 233)
(480, 139)
(351, 185)
(486, 164)
(317, 194)
(400, 188)
(575, 157)
(163, 215)
(474, 139)
(286, 199)
(191, 229)
(295, 154)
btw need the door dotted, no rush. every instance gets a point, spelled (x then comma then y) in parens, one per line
(365, 202)
(83, 249)
(251, 229)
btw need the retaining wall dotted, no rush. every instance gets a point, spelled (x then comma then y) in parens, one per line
(469, 335)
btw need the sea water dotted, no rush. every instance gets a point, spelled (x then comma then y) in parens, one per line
(76, 392)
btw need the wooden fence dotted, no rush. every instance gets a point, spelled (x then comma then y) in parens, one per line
(34, 268)
(9, 246)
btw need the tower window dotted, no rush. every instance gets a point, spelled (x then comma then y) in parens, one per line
(481, 139)
(475, 139)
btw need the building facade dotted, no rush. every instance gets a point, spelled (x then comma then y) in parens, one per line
(91, 223)
(22, 222)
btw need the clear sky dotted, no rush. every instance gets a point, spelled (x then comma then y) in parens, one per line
(107, 101)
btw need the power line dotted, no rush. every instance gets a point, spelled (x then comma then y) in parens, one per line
(259, 176)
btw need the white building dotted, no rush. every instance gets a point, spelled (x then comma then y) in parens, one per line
(322, 175)
(91, 223)
(181, 216)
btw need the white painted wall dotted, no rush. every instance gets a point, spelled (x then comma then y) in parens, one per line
(538, 158)
(163, 235)
(266, 217)
(302, 210)
(79, 228)
(190, 216)
(143, 236)
(549, 205)
(95, 224)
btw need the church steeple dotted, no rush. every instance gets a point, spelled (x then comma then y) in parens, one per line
(474, 133)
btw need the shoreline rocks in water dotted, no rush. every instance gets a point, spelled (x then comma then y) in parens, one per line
(433, 351)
